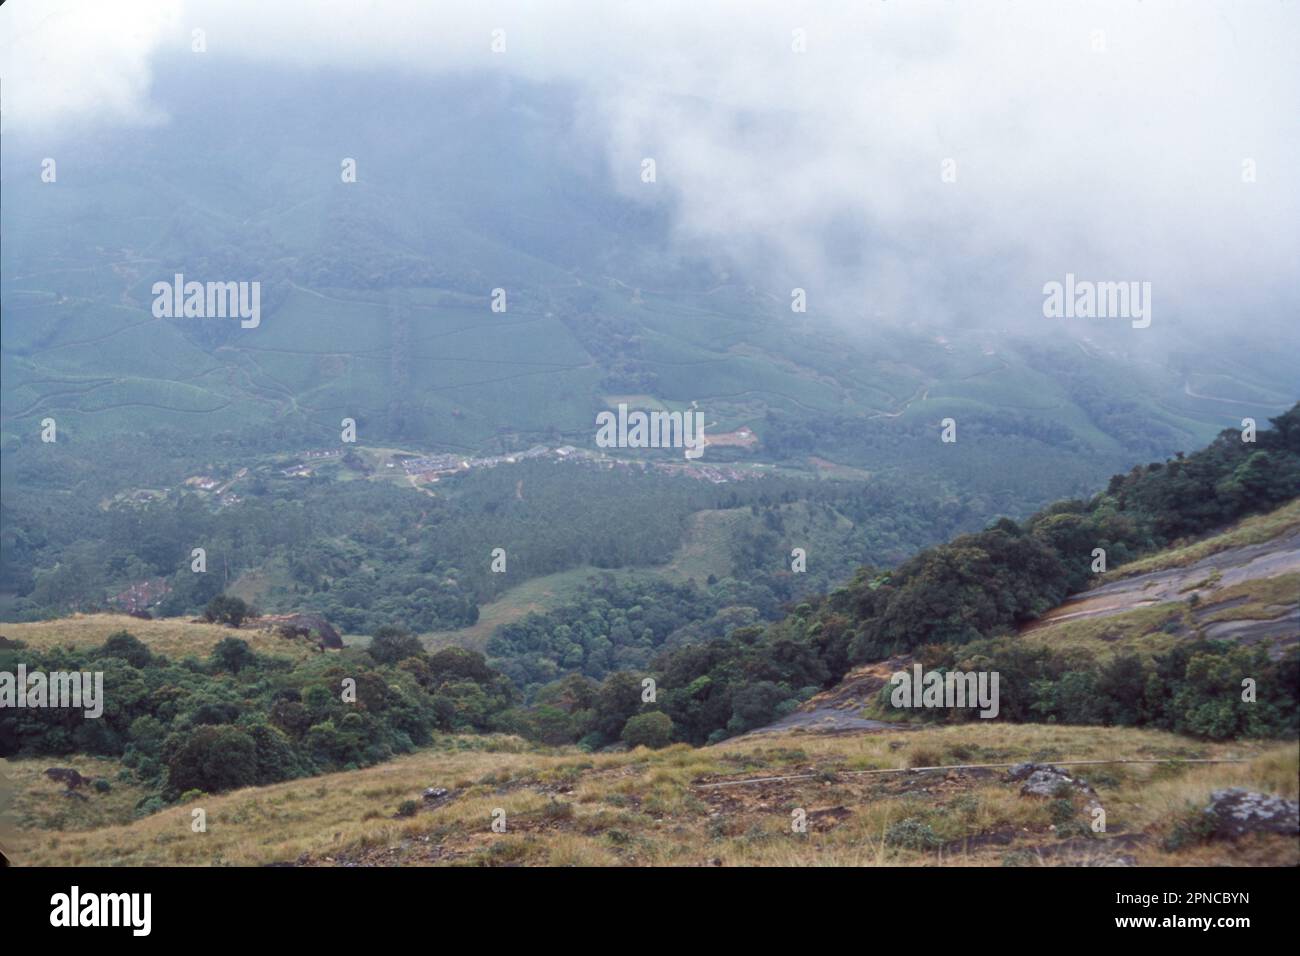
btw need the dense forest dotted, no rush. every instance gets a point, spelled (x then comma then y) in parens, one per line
(369, 553)
(238, 719)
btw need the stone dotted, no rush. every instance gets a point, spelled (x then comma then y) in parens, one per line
(66, 776)
(1238, 811)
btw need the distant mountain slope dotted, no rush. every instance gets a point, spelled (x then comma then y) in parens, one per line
(376, 302)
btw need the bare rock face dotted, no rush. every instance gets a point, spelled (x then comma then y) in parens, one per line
(1238, 811)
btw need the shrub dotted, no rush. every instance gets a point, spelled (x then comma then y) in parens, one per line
(556, 810)
(389, 645)
(233, 655)
(653, 730)
(226, 609)
(210, 759)
(911, 834)
(1189, 829)
(129, 648)
(922, 757)
(149, 805)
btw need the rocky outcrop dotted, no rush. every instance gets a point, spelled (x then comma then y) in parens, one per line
(1045, 780)
(1236, 812)
(66, 776)
(306, 625)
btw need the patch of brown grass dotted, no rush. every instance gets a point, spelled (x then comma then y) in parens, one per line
(564, 807)
(173, 637)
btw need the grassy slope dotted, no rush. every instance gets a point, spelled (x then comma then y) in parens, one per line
(174, 637)
(1252, 530)
(565, 807)
(704, 552)
(536, 594)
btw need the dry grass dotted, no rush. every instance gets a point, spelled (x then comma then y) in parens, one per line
(1253, 530)
(564, 807)
(1139, 631)
(40, 803)
(1265, 599)
(174, 637)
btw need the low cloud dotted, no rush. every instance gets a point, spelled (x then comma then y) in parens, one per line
(1107, 140)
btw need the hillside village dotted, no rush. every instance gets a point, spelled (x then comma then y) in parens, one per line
(431, 468)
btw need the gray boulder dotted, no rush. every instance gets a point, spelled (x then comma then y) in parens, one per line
(1238, 811)
(66, 776)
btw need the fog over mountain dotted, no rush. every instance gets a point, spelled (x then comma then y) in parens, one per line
(1105, 140)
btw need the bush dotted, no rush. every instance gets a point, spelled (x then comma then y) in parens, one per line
(653, 730)
(233, 655)
(1189, 829)
(128, 647)
(556, 810)
(911, 834)
(390, 645)
(211, 759)
(924, 757)
(149, 806)
(226, 609)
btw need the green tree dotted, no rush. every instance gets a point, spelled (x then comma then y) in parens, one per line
(210, 759)
(653, 729)
(391, 644)
(226, 609)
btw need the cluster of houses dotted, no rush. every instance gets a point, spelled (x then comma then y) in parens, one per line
(142, 596)
(431, 468)
(715, 474)
(216, 487)
(302, 469)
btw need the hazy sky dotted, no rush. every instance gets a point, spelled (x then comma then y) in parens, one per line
(1117, 154)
